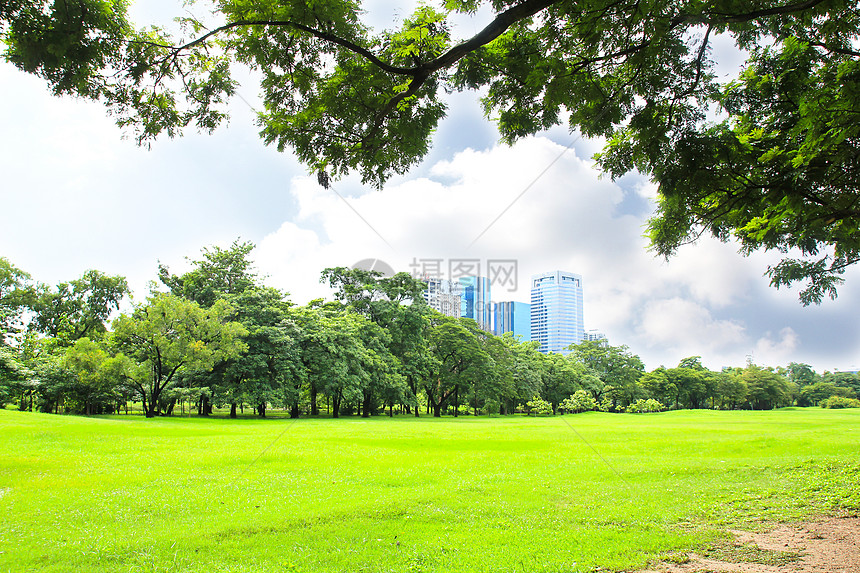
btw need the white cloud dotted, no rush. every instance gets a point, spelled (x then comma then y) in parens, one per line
(777, 350)
(699, 303)
(678, 327)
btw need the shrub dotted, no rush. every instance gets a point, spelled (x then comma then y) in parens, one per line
(539, 406)
(840, 402)
(645, 406)
(580, 401)
(491, 407)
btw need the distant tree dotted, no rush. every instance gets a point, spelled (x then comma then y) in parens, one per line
(579, 401)
(270, 368)
(656, 385)
(218, 273)
(169, 333)
(519, 370)
(692, 362)
(539, 407)
(79, 308)
(844, 380)
(802, 374)
(16, 294)
(460, 359)
(813, 394)
(616, 367)
(95, 387)
(558, 379)
(397, 305)
(690, 386)
(731, 389)
(765, 389)
(14, 376)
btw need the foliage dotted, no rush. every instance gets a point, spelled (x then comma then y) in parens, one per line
(13, 375)
(840, 402)
(642, 406)
(79, 308)
(15, 296)
(617, 369)
(781, 173)
(219, 273)
(460, 361)
(765, 388)
(815, 393)
(539, 407)
(94, 389)
(579, 401)
(775, 170)
(168, 333)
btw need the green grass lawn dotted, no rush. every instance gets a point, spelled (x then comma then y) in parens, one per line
(572, 493)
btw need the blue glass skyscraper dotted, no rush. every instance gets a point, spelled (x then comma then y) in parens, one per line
(556, 316)
(475, 300)
(512, 316)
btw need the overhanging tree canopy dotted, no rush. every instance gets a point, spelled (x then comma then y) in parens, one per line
(777, 171)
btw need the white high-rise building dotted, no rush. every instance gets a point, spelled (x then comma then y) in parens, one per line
(443, 295)
(556, 299)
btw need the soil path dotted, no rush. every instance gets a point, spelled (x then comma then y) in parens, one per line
(827, 545)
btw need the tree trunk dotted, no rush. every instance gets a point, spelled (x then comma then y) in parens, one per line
(335, 406)
(294, 411)
(262, 409)
(315, 411)
(437, 410)
(365, 406)
(233, 407)
(456, 401)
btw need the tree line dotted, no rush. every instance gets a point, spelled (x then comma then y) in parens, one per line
(216, 336)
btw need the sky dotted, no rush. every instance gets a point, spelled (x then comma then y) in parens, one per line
(76, 195)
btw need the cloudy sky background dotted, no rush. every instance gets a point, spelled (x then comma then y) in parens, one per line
(77, 196)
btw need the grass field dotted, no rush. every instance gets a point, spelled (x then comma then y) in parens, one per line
(572, 493)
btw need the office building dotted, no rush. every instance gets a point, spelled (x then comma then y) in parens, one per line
(595, 336)
(443, 295)
(475, 302)
(556, 310)
(515, 317)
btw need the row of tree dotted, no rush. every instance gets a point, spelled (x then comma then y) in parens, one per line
(216, 336)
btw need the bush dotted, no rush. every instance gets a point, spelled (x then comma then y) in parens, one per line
(840, 402)
(491, 407)
(580, 401)
(539, 406)
(645, 406)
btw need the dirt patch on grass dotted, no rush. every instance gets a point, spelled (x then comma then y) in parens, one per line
(827, 545)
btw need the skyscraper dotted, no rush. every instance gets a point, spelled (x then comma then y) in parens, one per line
(443, 295)
(556, 316)
(467, 297)
(475, 300)
(512, 316)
